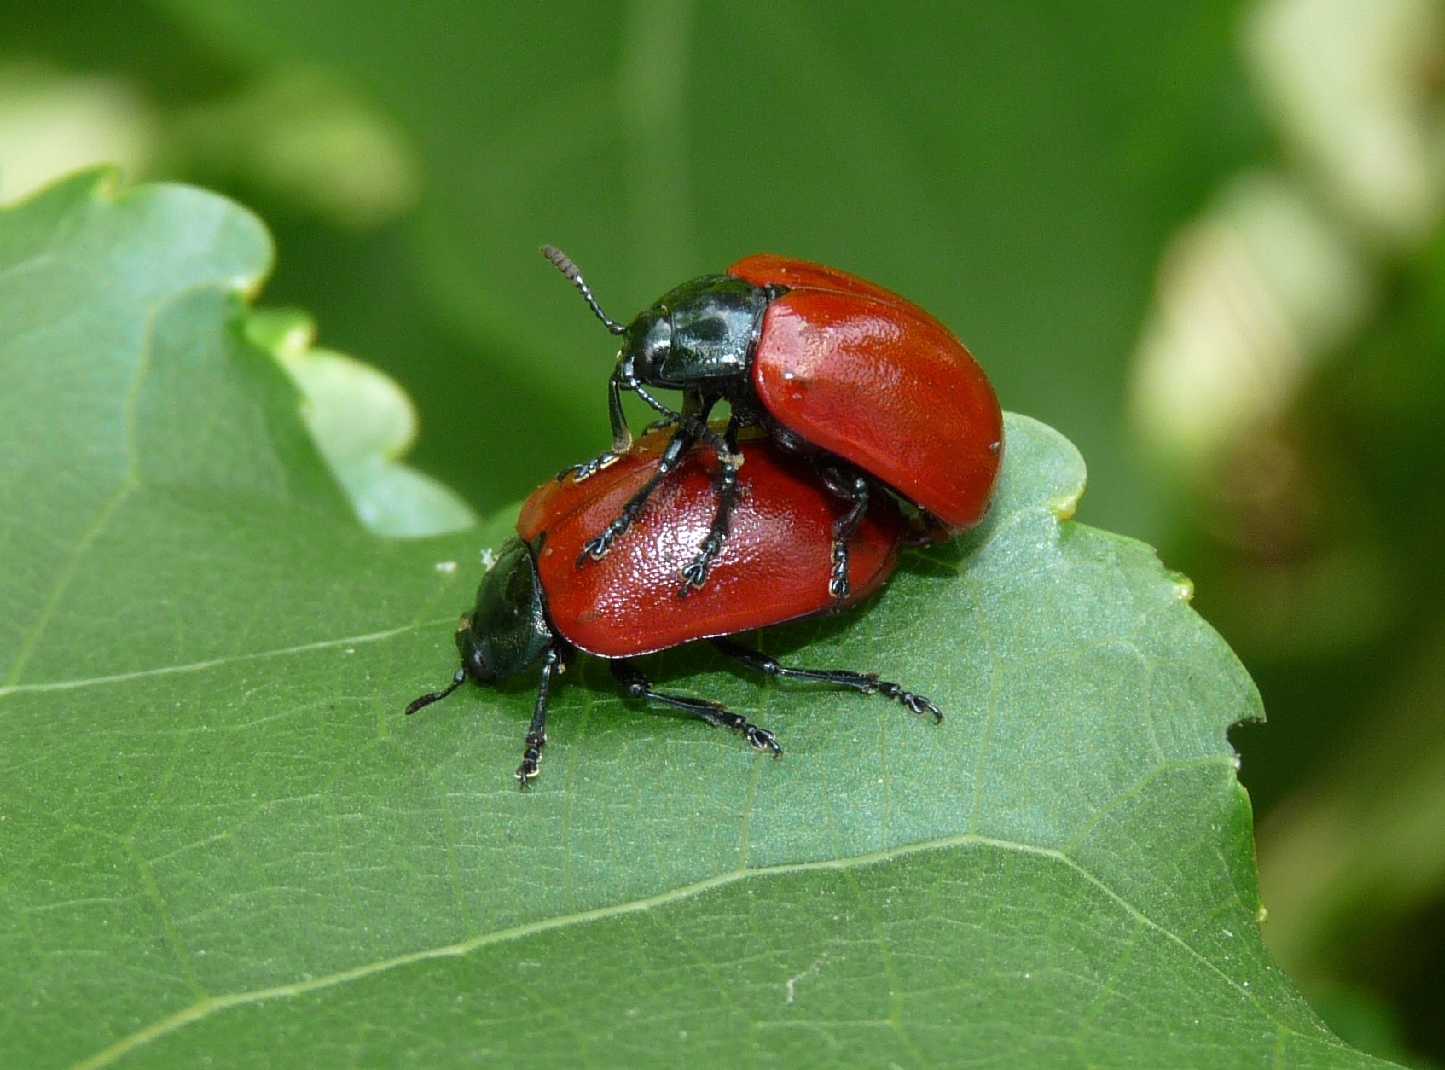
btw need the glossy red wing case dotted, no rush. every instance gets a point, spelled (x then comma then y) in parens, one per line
(866, 374)
(774, 566)
(769, 269)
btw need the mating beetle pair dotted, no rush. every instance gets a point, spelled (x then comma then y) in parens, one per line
(872, 390)
(862, 399)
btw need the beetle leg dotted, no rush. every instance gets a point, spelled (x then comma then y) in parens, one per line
(588, 469)
(646, 395)
(694, 574)
(436, 696)
(853, 488)
(695, 409)
(610, 457)
(537, 732)
(597, 548)
(621, 433)
(635, 685)
(864, 683)
(927, 530)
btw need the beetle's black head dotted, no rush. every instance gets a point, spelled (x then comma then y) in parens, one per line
(508, 629)
(694, 336)
(699, 333)
(646, 346)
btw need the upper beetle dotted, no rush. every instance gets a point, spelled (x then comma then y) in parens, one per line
(535, 607)
(867, 385)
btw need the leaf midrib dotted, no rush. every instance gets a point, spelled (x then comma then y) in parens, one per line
(210, 1005)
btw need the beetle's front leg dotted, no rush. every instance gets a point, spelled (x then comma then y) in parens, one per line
(588, 469)
(668, 414)
(682, 441)
(694, 574)
(621, 433)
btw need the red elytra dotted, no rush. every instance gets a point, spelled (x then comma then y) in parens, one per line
(773, 568)
(866, 374)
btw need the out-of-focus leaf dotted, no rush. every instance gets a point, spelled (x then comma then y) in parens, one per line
(53, 122)
(363, 423)
(1251, 297)
(306, 142)
(1351, 859)
(1366, 1022)
(1014, 168)
(1356, 90)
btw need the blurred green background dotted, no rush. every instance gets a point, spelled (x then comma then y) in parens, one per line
(1201, 239)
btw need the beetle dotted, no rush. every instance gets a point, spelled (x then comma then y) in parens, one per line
(534, 607)
(867, 385)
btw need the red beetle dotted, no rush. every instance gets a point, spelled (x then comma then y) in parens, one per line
(865, 384)
(536, 606)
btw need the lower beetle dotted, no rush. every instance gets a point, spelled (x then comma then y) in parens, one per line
(534, 607)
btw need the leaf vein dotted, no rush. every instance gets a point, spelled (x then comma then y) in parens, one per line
(230, 659)
(204, 1008)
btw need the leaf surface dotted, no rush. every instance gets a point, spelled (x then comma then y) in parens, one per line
(221, 840)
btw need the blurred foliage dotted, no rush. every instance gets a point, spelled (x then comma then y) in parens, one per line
(1058, 182)
(1013, 169)
(1327, 578)
(363, 424)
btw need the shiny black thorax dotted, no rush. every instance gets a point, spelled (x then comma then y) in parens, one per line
(698, 337)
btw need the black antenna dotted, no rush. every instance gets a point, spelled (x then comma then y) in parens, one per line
(563, 263)
(436, 696)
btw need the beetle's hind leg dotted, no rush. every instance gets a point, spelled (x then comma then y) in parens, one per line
(852, 487)
(927, 529)
(864, 683)
(635, 684)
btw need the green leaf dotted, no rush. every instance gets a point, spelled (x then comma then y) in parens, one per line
(222, 841)
(362, 422)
